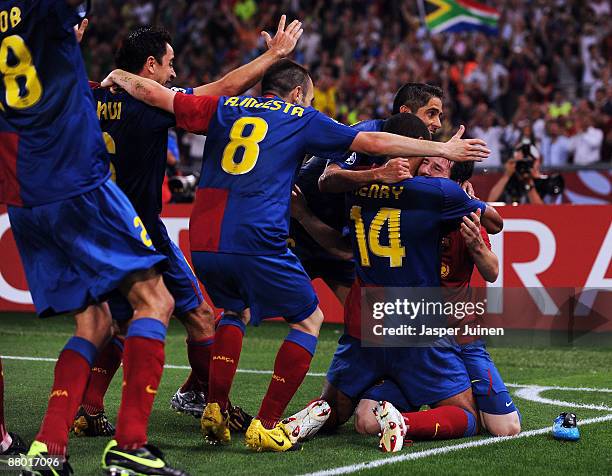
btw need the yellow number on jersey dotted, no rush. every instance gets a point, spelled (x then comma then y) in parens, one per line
(249, 143)
(144, 236)
(394, 250)
(23, 69)
(109, 142)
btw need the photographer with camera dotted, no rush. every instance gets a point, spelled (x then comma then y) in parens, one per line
(522, 181)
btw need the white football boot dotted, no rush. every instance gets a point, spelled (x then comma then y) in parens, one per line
(307, 422)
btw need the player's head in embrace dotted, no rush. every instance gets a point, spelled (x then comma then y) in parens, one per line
(289, 81)
(423, 100)
(408, 125)
(146, 51)
(442, 168)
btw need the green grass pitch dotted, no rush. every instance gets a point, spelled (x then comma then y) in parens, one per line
(28, 384)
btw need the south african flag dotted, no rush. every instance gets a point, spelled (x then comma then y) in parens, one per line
(460, 15)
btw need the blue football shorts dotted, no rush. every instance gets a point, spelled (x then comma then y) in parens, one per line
(178, 278)
(77, 251)
(424, 375)
(270, 285)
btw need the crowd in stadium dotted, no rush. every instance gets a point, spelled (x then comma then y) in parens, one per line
(546, 74)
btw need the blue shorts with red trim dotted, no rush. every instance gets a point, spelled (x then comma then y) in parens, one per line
(178, 278)
(424, 375)
(488, 387)
(389, 391)
(77, 251)
(269, 285)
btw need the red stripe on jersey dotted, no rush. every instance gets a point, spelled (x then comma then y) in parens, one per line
(9, 185)
(207, 219)
(194, 113)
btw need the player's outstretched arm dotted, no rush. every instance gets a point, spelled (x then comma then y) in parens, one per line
(456, 149)
(335, 179)
(143, 89)
(239, 80)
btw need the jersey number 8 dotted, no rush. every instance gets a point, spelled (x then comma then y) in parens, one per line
(24, 68)
(249, 143)
(394, 250)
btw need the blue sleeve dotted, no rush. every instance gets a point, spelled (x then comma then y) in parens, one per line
(323, 136)
(68, 16)
(456, 203)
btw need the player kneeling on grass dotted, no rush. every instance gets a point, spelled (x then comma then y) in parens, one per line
(239, 225)
(461, 250)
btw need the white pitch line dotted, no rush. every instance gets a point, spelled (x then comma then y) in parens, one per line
(167, 366)
(533, 395)
(442, 450)
(322, 374)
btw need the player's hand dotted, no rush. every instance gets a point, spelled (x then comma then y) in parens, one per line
(299, 207)
(109, 82)
(461, 150)
(285, 40)
(395, 170)
(79, 30)
(469, 189)
(470, 231)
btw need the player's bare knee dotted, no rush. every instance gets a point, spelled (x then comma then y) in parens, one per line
(312, 324)
(508, 425)
(199, 322)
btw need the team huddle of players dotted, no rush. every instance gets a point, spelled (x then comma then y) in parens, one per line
(96, 246)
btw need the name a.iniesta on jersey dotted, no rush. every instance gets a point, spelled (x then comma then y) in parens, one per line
(272, 105)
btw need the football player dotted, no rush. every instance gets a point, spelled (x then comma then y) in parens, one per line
(136, 136)
(78, 236)
(240, 222)
(462, 250)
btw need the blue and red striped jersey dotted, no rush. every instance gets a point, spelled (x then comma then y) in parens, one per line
(51, 145)
(254, 149)
(396, 229)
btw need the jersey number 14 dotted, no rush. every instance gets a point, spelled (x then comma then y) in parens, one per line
(394, 250)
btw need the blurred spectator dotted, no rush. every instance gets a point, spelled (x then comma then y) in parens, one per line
(556, 146)
(518, 183)
(195, 144)
(586, 144)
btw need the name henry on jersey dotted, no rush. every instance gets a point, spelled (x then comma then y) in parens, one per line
(380, 191)
(272, 105)
(9, 19)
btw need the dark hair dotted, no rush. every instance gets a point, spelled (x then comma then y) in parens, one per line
(283, 77)
(415, 96)
(407, 124)
(138, 45)
(461, 171)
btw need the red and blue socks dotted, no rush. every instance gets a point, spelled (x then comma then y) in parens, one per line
(290, 367)
(71, 374)
(224, 359)
(143, 364)
(102, 373)
(442, 423)
(198, 353)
